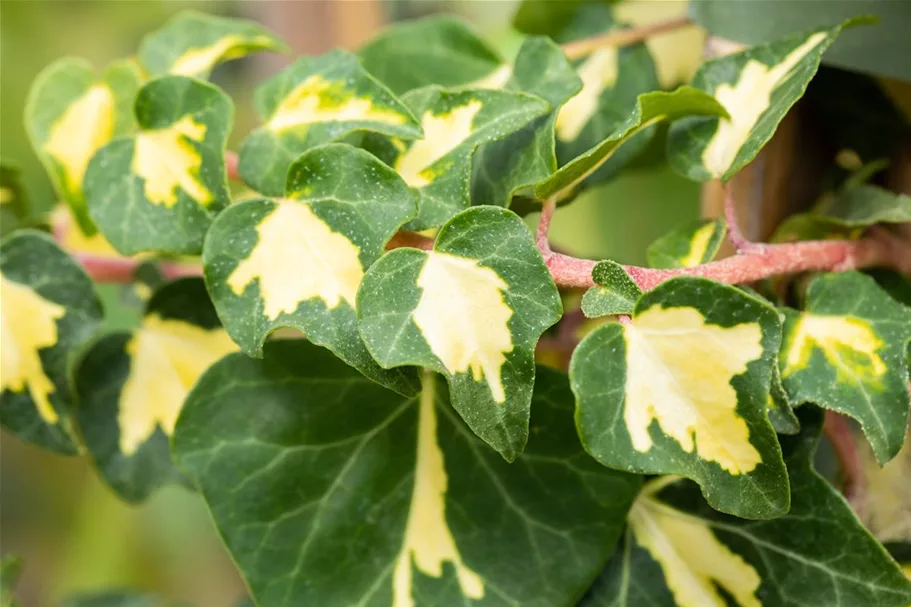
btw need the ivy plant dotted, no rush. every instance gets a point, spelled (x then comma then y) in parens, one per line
(345, 328)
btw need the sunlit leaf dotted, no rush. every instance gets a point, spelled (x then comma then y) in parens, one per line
(650, 108)
(70, 114)
(316, 100)
(615, 293)
(160, 189)
(683, 389)
(679, 552)
(473, 309)
(846, 351)
(329, 467)
(439, 50)
(192, 43)
(49, 310)
(132, 385)
(298, 261)
(528, 155)
(757, 87)
(691, 244)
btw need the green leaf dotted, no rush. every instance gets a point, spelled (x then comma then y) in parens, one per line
(473, 309)
(780, 409)
(616, 292)
(651, 108)
(527, 156)
(70, 114)
(696, 359)
(117, 598)
(10, 570)
(142, 202)
(132, 385)
(691, 244)
(439, 50)
(549, 18)
(192, 43)
(14, 204)
(329, 468)
(455, 123)
(313, 101)
(866, 205)
(679, 552)
(49, 310)
(757, 87)
(298, 261)
(846, 352)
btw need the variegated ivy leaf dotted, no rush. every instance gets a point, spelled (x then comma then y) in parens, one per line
(757, 87)
(329, 468)
(440, 50)
(131, 386)
(613, 78)
(14, 206)
(455, 123)
(651, 108)
(71, 112)
(780, 408)
(298, 261)
(616, 292)
(690, 244)
(159, 189)
(528, 155)
(679, 552)
(49, 310)
(316, 100)
(846, 214)
(473, 309)
(846, 351)
(192, 43)
(683, 389)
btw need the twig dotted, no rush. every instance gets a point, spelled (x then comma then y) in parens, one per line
(740, 242)
(231, 167)
(841, 436)
(123, 269)
(582, 48)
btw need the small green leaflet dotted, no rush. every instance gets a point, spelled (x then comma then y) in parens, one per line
(192, 43)
(132, 385)
(697, 360)
(142, 202)
(616, 292)
(14, 204)
(455, 122)
(691, 244)
(613, 79)
(298, 261)
(846, 351)
(678, 552)
(329, 467)
(757, 87)
(70, 114)
(528, 155)
(473, 309)
(316, 100)
(49, 310)
(650, 109)
(439, 50)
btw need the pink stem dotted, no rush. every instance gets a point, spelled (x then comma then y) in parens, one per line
(231, 167)
(123, 269)
(841, 437)
(740, 242)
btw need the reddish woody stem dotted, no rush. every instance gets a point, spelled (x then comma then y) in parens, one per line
(740, 242)
(231, 167)
(123, 269)
(841, 436)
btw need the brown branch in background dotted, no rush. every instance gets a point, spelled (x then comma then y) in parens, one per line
(404, 238)
(623, 37)
(838, 431)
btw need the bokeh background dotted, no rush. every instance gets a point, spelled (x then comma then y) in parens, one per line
(72, 533)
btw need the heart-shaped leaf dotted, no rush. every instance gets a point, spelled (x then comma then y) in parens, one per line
(615, 293)
(691, 244)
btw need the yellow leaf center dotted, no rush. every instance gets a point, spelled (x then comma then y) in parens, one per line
(849, 344)
(442, 134)
(169, 162)
(598, 72)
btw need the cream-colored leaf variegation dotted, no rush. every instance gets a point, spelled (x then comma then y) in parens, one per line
(298, 257)
(201, 60)
(167, 356)
(746, 100)
(694, 562)
(699, 244)
(28, 323)
(428, 540)
(464, 317)
(598, 72)
(678, 373)
(168, 162)
(83, 128)
(849, 344)
(319, 100)
(442, 134)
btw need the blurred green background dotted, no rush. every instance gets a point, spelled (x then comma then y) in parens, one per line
(72, 533)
